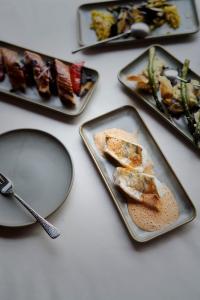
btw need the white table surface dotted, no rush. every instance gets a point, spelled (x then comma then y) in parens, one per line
(94, 258)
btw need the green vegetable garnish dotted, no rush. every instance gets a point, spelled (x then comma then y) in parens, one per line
(184, 97)
(152, 81)
(197, 132)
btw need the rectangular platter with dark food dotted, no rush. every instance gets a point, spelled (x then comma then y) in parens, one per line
(142, 184)
(45, 81)
(169, 87)
(165, 18)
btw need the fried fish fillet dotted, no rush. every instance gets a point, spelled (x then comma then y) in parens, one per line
(127, 154)
(143, 188)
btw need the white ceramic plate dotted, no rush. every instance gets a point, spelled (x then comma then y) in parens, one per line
(41, 170)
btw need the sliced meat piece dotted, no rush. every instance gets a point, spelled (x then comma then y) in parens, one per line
(41, 72)
(63, 82)
(75, 73)
(14, 68)
(2, 73)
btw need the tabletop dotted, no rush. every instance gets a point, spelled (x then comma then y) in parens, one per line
(94, 258)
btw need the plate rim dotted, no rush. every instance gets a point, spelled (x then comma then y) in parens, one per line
(67, 191)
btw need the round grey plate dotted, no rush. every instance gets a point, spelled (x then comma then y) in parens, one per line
(41, 170)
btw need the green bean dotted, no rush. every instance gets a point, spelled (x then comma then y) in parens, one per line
(152, 81)
(184, 97)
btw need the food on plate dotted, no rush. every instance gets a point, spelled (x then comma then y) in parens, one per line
(141, 187)
(75, 74)
(152, 219)
(100, 137)
(14, 69)
(63, 81)
(173, 97)
(151, 204)
(127, 154)
(2, 73)
(69, 82)
(117, 19)
(102, 23)
(41, 72)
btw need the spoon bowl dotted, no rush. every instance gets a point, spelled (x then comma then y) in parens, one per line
(172, 74)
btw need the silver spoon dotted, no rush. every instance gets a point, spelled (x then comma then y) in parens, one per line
(172, 74)
(137, 30)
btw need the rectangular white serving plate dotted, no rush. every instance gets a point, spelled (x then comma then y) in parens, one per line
(32, 96)
(127, 118)
(136, 66)
(187, 9)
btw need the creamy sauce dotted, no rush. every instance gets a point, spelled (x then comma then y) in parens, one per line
(152, 220)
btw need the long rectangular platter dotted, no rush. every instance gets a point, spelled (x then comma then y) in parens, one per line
(136, 66)
(127, 118)
(53, 103)
(187, 10)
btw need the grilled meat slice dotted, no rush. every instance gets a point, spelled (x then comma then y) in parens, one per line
(2, 73)
(63, 81)
(41, 72)
(14, 69)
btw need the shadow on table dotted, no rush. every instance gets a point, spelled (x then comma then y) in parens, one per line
(41, 110)
(167, 40)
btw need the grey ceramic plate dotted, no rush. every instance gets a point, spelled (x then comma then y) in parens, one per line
(136, 66)
(41, 170)
(127, 118)
(187, 10)
(53, 103)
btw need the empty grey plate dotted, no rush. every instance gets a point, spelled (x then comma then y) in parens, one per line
(41, 170)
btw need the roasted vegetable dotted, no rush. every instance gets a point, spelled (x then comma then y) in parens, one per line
(184, 97)
(153, 84)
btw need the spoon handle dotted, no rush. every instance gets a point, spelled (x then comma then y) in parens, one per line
(188, 81)
(181, 79)
(103, 41)
(51, 230)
